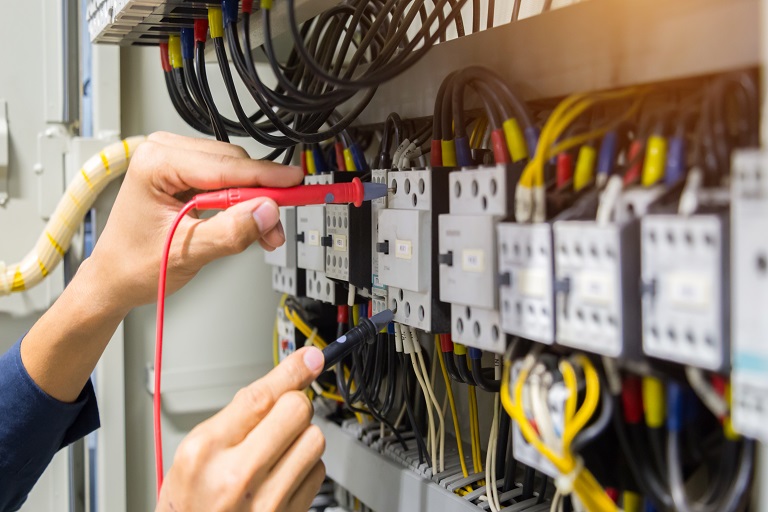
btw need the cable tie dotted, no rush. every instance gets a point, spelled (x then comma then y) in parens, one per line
(565, 482)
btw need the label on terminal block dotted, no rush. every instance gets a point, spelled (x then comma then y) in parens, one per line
(339, 243)
(473, 260)
(313, 238)
(403, 249)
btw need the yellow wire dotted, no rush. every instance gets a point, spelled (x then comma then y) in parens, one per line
(478, 132)
(564, 114)
(452, 402)
(589, 491)
(477, 457)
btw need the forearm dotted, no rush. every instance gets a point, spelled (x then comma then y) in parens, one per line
(62, 348)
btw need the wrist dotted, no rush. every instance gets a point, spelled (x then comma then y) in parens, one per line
(100, 296)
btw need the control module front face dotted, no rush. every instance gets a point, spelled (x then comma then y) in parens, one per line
(685, 294)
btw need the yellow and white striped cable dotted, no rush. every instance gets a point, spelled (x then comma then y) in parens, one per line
(53, 243)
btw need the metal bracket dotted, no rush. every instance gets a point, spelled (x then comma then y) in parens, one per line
(4, 143)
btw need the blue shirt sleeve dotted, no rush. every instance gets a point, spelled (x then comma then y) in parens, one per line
(33, 427)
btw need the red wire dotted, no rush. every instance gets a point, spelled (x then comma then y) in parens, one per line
(159, 342)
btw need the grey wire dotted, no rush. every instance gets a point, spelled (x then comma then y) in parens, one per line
(731, 501)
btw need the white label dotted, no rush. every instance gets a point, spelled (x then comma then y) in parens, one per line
(688, 290)
(403, 249)
(473, 260)
(339, 243)
(596, 287)
(533, 282)
(313, 238)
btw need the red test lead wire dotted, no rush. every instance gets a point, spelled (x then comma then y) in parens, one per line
(156, 403)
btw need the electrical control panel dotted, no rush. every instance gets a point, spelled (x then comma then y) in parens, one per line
(407, 250)
(685, 272)
(597, 270)
(749, 209)
(526, 275)
(290, 280)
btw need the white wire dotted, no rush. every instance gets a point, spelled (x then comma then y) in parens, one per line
(609, 198)
(435, 403)
(540, 409)
(706, 393)
(432, 439)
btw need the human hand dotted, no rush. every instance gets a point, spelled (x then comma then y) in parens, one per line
(164, 172)
(259, 453)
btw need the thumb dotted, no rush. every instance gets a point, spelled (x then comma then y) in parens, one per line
(233, 230)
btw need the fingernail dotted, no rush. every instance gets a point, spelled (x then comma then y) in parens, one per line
(266, 216)
(313, 359)
(281, 230)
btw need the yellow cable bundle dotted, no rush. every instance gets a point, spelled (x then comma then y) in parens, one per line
(80, 195)
(531, 186)
(586, 488)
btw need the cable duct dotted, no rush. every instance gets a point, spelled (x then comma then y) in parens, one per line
(53, 243)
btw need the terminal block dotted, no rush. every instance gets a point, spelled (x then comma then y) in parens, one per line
(377, 205)
(406, 248)
(289, 339)
(348, 243)
(526, 276)
(749, 250)
(523, 450)
(319, 287)
(597, 287)
(685, 275)
(286, 276)
(478, 200)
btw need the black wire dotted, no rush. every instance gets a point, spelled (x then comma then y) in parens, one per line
(450, 367)
(461, 365)
(421, 445)
(491, 386)
(202, 78)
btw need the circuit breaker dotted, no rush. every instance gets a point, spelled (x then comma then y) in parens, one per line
(407, 250)
(310, 231)
(597, 286)
(685, 271)
(286, 276)
(377, 288)
(478, 199)
(526, 275)
(749, 209)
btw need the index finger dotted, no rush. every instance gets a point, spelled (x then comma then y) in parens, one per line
(177, 170)
(252, 403)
